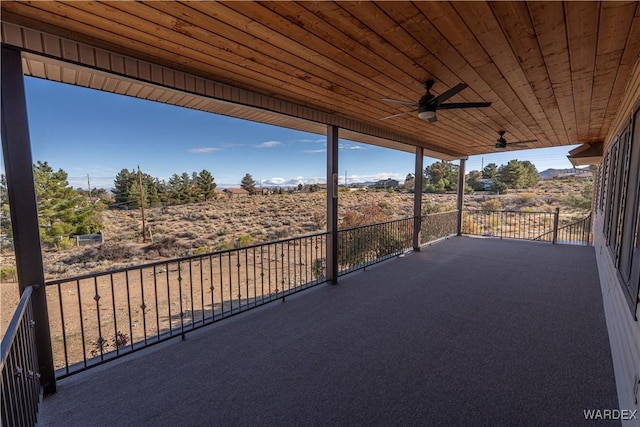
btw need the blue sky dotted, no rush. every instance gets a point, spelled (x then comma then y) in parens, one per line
(84, 131)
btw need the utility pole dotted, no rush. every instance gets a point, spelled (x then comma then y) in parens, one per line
(144, 225)
(89, 185)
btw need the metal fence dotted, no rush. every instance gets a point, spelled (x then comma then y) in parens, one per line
(435, 226)
(508, 224)
(359, 247)
(21, 390)
(541, 226)
(98, 317)
(575, 233)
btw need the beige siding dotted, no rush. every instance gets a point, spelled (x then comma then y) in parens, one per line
(624, 331)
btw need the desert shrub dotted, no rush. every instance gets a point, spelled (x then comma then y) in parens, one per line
(309, 226)
(492, 205)
(319, 219)
(106, 252)
(386, 206)
(194, 216)
(319, 268)
(580, 201)
(8, 274)
(200, 250)
(280, 233)
(187, 235)
(368, 214)
(167, 246)
(225, 245)
(64, 243)
(526, 199)
(244, 240)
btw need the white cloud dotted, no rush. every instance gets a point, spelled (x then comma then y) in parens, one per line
(203, 150)
(274, 181)
(269, 144)
(283, 182)
(343, 146)
(320, 150)
(375, 177)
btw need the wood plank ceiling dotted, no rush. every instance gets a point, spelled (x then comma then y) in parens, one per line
(554, 71)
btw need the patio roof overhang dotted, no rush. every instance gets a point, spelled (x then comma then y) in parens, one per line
(555, 72)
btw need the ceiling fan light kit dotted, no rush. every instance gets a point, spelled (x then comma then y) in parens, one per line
(427, 115)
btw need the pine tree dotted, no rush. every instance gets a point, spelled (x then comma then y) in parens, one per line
(490, 171)
(122, 185)
(136, 195)
(248, 184)
(205, 185)
(61, 210)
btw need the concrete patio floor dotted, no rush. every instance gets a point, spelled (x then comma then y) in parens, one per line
(466, 332)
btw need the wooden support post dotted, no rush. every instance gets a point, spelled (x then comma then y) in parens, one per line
(417, 198)
(461, 185)
(16, 148)
(332, 204)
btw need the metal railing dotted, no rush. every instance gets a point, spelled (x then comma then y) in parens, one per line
(540, 226)
(437, 225)
(21, 390)
(508, 224)
(98, 317)
(575, 233)
(359, 247)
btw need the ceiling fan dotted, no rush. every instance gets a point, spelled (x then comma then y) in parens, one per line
(501, 142)
(428, 104)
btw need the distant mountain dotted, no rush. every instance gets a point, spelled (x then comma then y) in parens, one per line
(554, 173)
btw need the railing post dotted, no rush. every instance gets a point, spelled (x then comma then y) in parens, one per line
(417, 199)
(21, 193)
(556, 218)
(461, 184)
(332, 204)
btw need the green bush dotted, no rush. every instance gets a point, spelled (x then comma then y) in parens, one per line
(200, 250)
(244, 240)
(8, 274)
(64, 243)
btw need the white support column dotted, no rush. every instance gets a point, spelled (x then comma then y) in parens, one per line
(461, 185)
(16, 148)
(417, 198)
(332, 204)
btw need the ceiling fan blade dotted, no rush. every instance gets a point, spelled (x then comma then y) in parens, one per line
(453, 105)
(399, 114)
(522, 142)
(397, 101)
(448, 94)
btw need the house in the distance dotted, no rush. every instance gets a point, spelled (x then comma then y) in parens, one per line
(386, 183)
(236, 192)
